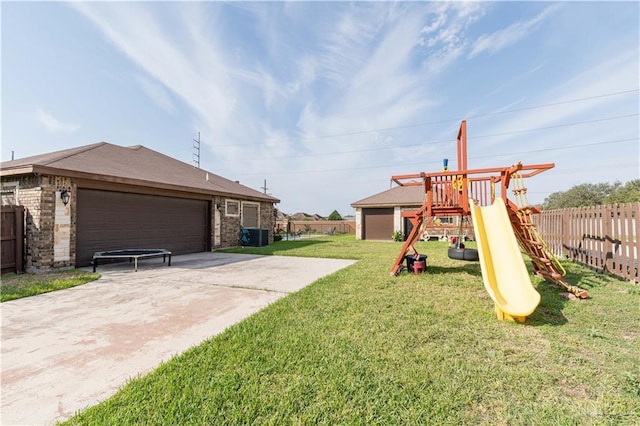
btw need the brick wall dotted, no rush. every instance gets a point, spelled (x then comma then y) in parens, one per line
(268, 218)
(230, 225)
(229, 231)
(38, 196)
(29, 195)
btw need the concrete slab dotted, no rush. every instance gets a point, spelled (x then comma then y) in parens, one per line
(67, 350)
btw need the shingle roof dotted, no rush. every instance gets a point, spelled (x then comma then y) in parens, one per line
(306, 216)
(396, 196)
(135, 165)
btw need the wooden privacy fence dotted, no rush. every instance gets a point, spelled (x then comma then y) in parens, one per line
(604, 238)
(12, 239)
(318, 226)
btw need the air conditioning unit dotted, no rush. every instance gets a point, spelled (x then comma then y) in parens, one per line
(258, 237)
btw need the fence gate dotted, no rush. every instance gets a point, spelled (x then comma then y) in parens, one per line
(12, 239)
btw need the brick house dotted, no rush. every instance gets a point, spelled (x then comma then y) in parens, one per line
(105, 197)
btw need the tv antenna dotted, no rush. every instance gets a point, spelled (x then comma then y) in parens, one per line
(196, 152)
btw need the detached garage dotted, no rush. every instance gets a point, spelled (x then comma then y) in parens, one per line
(379, 215)
(107, 197)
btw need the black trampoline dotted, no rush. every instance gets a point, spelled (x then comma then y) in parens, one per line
(131, 254)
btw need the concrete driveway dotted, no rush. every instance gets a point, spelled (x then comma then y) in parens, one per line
(67, 350)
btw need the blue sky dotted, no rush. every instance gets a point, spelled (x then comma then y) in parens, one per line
(328, 100)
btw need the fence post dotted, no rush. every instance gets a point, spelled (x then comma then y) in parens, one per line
(615, 240)
(19, 215)
(607, 248)
(627, 243)
(564, 232)
(598, 251)
(582, 253)
(635, 241)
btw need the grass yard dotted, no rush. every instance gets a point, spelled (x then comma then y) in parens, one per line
(361, 347)
(16, 286)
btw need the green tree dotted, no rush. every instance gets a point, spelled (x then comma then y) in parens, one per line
(335, 215)
(588, 194)
(628, 193)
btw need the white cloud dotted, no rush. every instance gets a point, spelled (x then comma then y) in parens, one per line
(191, 64)
(444, 38)
(359, 75)
(347, 42)
(267, 94)
(506, 37)
(54, 125)
(157, 93)
(307, 72)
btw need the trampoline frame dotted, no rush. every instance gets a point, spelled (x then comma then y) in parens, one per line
(131, 254)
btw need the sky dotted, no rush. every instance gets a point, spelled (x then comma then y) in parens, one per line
(325, 101)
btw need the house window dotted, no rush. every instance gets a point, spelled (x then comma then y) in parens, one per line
(250, 215)
(232, 208)
(10, 194)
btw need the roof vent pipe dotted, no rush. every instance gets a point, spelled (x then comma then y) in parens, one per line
(207, 176)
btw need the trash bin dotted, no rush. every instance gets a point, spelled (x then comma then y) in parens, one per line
(410, 258)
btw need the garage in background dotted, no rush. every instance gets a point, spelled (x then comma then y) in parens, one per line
(378, 216)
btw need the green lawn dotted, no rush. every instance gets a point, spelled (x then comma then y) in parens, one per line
(362, 347)
(16, 286)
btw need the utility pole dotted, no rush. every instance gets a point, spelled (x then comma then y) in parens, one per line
(196, 153)
(264, 187)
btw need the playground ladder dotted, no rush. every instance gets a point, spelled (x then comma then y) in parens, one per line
(545, 264)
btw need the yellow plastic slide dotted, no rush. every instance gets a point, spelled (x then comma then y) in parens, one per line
(503, 270)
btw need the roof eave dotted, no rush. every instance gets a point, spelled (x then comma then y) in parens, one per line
(46, 170)
(22, 170)
(377, 205)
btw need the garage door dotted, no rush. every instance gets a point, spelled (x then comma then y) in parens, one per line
(113, 220)
(378, 224)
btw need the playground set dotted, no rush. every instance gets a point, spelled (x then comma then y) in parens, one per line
(502, 228)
